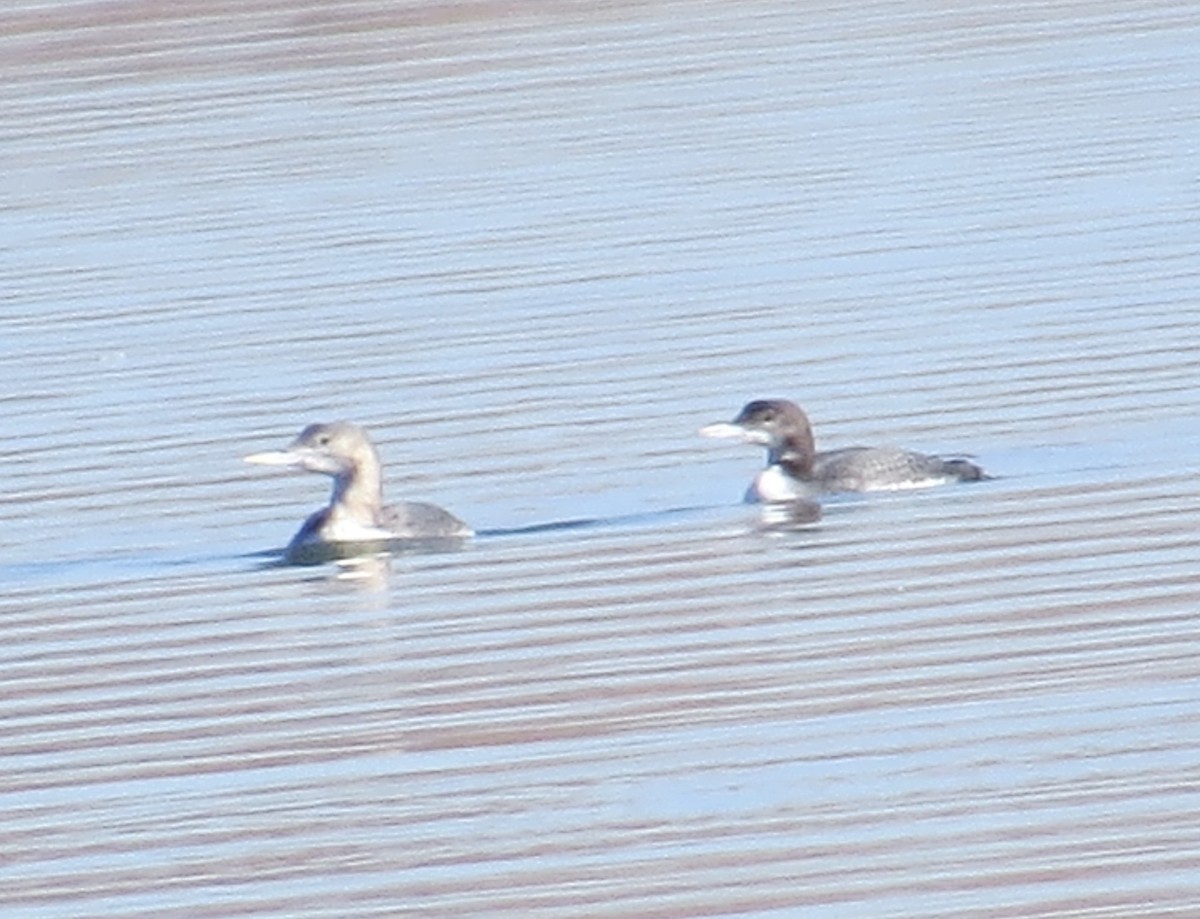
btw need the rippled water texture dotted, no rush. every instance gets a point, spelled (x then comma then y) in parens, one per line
(533, 248)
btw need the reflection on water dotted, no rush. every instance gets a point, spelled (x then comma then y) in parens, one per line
(534, 250)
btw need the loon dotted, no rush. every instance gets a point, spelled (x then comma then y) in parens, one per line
(356, 517)
(795, 470)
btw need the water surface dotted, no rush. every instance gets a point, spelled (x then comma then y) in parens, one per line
(534, 250)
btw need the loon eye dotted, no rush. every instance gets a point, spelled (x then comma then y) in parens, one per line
(323, 440)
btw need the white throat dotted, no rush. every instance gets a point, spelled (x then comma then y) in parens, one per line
(774, 485)
(344, 527)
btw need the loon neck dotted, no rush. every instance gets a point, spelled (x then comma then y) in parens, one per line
(794, 454)
(358, 492)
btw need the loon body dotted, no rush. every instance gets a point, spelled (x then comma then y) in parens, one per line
(795, 469)
(356, 513)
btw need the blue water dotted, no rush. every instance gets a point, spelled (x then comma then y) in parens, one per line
(534, 251)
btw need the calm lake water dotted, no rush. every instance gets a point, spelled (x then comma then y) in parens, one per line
(533, 248)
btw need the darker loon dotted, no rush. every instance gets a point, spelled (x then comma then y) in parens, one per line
(796, 470)
(356, 514)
